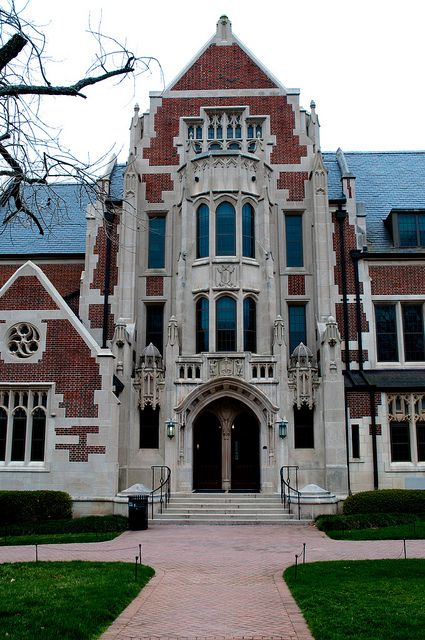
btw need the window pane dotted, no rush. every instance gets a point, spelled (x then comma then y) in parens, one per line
(355, 441)
(202, 231)
(3, 433)
(248, 231)
(294, 241)
(156, 254)
(304, 428)
(249, 325)
(225, 230)
(420, 438)
(297, 329)
(413, 332)
(38, 435)
(407, 229)
(149, 428)
(386, 333)
(18, 435)
(421, 224)
(400, 441)
(155, 325)
(226, 324)
(202, 325)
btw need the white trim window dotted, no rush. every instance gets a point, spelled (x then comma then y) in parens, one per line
(399, 331)
(23, 420)
(406, 423)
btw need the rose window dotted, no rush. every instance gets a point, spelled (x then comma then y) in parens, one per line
(24, 340)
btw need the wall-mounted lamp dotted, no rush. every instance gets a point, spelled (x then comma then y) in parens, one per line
(282, 426)
(170, 426)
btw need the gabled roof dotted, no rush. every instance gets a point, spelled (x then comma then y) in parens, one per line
(384, 181)
(224, 63)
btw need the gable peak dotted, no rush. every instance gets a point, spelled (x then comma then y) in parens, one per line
(224, 31)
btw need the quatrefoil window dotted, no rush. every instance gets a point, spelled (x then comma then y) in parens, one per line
(23, 340)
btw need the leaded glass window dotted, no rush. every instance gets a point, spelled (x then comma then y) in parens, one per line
(225, 235)
(226, 324)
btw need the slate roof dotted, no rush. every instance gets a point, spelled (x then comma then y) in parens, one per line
(384, 181)
(62, 211)
(386, 379)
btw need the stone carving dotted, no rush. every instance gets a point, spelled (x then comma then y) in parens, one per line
(226, 367)
(226, 276)
(23, 340)
(302, 377)
(150, 377)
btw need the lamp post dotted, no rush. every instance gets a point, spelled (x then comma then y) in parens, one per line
(282, 426)
(170, 427)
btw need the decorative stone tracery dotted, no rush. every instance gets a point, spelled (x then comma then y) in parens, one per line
(302, 377)
(23, 340)
(150, 377)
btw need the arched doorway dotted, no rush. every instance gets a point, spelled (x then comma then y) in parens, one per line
(226, 448)
(207, 453)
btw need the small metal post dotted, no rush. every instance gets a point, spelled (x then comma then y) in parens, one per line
(296, 566)
(140, 554)
(404, 547)
(304, 546)
(135, 569)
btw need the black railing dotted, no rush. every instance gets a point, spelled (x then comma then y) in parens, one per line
(162, 491)
(289, 494)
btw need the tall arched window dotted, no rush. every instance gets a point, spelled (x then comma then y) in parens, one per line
(202, 231)
(19, 431)
(202, 325)
(226, 324)
(225, 230)
(38, 435)
(248, 231)
(249, 325)
(3, 433)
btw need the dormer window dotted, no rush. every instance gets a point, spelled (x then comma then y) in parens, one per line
(408, 228)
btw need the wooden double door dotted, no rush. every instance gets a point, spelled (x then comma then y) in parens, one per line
(226, 451)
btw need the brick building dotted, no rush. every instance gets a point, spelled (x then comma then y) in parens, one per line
(242, 302)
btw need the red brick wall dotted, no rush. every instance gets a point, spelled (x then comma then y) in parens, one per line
(96, 319)
(79, 452)
(359, 403)
(65, 276)
(154, 286)
(287, 150)
(296, 285)
(156, 183)
(100, 250)
(224, 67)
(352, 321)
(350, 243)
(294, 182)
(398, 279)
(27, 293)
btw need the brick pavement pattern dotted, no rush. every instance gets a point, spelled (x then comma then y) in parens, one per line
(215, 582)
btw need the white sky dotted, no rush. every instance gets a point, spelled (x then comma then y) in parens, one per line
(362, 62)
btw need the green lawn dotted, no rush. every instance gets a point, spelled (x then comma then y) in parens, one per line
(362, 600)
(65, 600)
(411, 531)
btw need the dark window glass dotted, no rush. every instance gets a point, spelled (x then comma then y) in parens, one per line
(407, 232)
(202, 231)
(156, 253)
(3, 433)
(38, 436)
(249, 325)
(413, 332)
(294, 241)
(297, 328)
(421, 225)
(226, 324)
(304, 428)
(225, 230)
(248, 231)
(149, 428)
(202, 325)
(400, 441)
(18, 435)
(386, 332)
(250, 131)
(199, 133)
(355, 441)
(420, 439)
(155, 325)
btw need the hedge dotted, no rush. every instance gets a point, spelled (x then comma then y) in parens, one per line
(386, 501)
(87, 524)
(363, 521)
(34, 506)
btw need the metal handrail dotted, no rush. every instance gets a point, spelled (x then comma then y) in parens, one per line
(286, 491)
(164, 487)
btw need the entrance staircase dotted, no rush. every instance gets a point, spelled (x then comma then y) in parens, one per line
(225, 508)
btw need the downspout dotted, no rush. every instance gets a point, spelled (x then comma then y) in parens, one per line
(109, 218)
(374, 445)
(341, 216)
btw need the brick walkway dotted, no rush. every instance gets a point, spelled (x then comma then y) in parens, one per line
(215, 582)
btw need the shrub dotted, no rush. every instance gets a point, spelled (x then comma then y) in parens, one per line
(386, 501)
(363, 521)
(88, 524)
(34, 506)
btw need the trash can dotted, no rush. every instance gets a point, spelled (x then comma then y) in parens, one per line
(138, 512)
